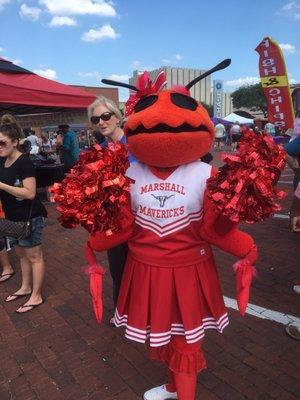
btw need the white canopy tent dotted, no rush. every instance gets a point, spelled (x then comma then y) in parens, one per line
(237, 118)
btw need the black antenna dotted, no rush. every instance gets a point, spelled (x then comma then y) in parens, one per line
(223, 64)
(121, 84)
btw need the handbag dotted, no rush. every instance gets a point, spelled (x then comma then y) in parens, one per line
(16, 229)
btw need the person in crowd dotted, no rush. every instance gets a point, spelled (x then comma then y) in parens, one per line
(25, 147)
(295, 211)
(69, 149)
(20, 203)
(83, 142)
(52, 137)
(256, 130)
(7, 269)
(45, 147)
(33, 139)
(292, 149)
(219, 134)
(296, 129)
(227, 135)
(235, 135)
(243, 129)
(106, 119)
(269, 129)
(293, 329)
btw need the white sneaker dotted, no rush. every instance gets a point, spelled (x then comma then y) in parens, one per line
(296, 289)
(160, 393)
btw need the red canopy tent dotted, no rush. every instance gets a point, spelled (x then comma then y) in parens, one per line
(23, 92)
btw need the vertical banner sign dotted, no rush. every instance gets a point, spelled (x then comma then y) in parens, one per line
(275, 84)
(218, 98)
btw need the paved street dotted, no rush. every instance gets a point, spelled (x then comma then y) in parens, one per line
(59, 352)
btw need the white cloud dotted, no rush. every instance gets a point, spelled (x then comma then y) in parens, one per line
(166, 61)
(135, 64)
(95, 35)
(292, 9)
(79, 7)
(288, 6)
(248, 80)
(62, 21)
(17, 61)
(178, 57)
(119, 78)
(31, 13)
(2, 4)
(138, 65)
(1, 49)
(96, 75)
(287, 48)
(46, 73)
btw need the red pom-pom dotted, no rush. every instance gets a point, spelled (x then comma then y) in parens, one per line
(95, 190)
(243, 189)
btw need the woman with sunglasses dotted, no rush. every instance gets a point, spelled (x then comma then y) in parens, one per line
(19, 201)
(106, 118)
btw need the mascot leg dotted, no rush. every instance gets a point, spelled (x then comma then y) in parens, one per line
(184, 361)
(186, 385)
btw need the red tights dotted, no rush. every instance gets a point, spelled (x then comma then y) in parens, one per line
(184, 361)
(184, 384)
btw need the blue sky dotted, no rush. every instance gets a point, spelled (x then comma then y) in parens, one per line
(82, 41)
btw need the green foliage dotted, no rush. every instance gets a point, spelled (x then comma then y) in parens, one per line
(209, 109)
(251, 97)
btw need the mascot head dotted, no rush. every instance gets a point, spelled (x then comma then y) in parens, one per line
(167, 128)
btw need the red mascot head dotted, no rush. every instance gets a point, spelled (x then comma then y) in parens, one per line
(167, 128)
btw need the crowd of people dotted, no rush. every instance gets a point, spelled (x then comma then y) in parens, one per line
(60, 146)
(20, 201)
(229, 134)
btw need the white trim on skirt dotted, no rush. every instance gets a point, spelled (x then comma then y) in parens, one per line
(163, 338)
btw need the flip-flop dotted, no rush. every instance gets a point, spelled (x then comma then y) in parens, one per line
(16, 296)
(293, 330)
(33, 306)
(10, 275)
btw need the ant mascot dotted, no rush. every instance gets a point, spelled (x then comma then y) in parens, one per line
(170, 292)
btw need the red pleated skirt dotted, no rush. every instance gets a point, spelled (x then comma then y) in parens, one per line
(157, 302)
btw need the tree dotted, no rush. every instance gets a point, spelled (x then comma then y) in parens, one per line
(251, 97)
(209, 109)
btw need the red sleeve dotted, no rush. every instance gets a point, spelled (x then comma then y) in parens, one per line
(221, 232)
(100, 241)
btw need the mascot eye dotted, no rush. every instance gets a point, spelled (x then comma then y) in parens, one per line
(145, 102)
(183, 101)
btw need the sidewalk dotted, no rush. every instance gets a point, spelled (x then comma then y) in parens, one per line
(59, 352)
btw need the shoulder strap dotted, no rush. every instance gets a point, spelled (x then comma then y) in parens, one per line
(30, 210)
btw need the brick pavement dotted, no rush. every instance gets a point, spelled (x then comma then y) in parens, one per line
(59, 352)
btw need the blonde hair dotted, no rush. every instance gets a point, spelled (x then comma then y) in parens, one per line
(45, 137)
(109, 104)
(9, 127)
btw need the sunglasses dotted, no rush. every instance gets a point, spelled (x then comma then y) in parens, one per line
(106, 116)
(3, 143)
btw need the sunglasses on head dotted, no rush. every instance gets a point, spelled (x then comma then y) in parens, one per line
(3, 143)
(106, 116)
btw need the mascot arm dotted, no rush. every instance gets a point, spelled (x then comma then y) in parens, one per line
(219, 231)
(102, 241)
